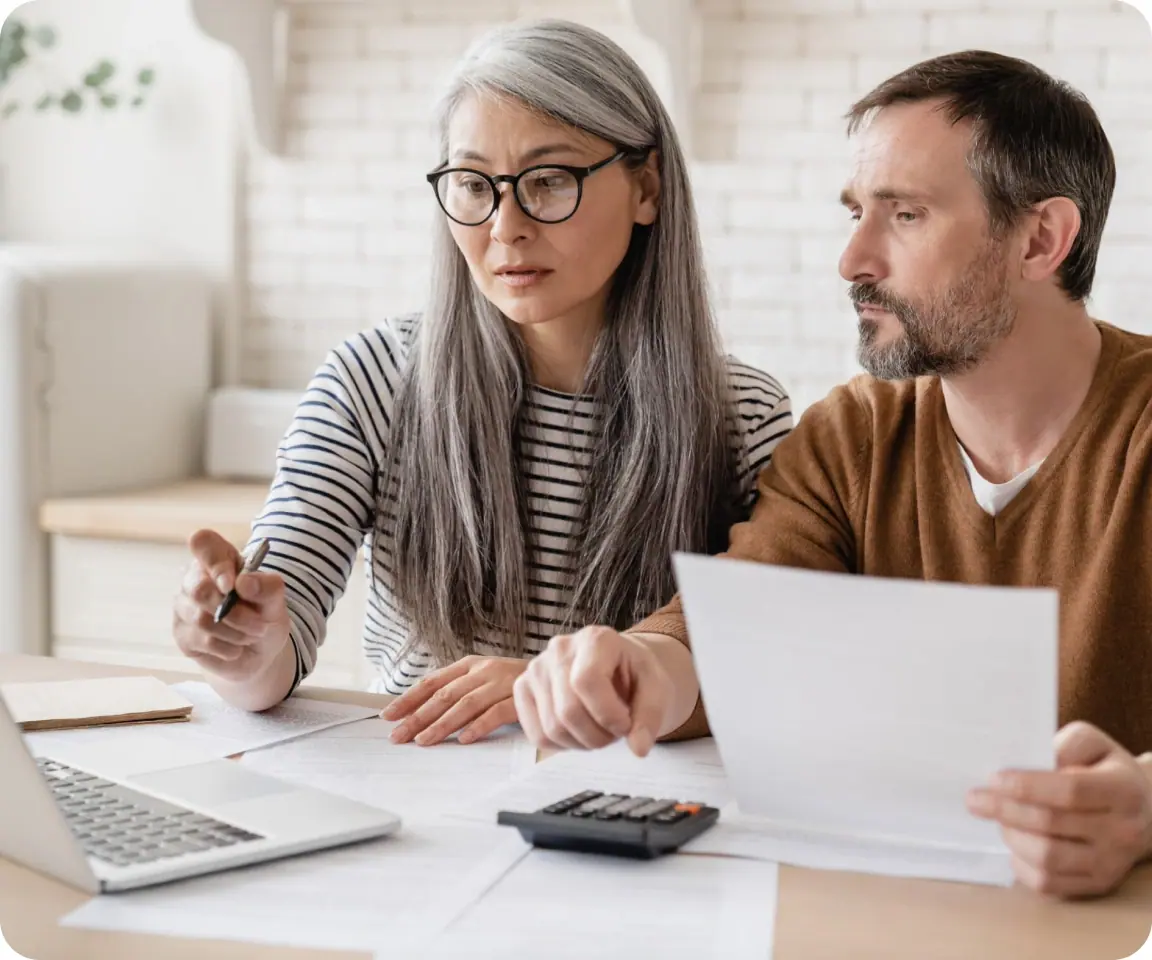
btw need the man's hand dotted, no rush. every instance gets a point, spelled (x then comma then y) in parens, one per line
(473, 695)
(1079, 830)
(589, 689)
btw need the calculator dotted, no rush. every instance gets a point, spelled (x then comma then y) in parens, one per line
(612, 823)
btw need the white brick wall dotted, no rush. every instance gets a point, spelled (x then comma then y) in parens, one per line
(337, 230)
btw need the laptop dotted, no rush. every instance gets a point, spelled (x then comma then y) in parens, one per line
(105, 835)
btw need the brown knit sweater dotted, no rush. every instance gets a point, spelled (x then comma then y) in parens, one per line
(871, 481)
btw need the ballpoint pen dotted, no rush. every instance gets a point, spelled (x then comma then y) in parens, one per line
(251, 564)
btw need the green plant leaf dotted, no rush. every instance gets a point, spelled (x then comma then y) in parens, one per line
(9, 109)
(13, 30)
(109, 100)
(72, 102)
(146, 77)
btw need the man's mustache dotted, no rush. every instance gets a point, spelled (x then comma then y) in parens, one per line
(869, 294)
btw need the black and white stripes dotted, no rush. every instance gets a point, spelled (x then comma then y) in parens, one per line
(322, 504)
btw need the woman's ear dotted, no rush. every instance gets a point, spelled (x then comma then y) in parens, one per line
(648, 181)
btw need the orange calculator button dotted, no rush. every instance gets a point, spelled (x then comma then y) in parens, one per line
(688, 807)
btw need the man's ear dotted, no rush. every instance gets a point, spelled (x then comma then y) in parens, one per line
(648, 179)
(1052, 229)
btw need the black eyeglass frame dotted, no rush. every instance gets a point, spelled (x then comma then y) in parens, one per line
(580, 174)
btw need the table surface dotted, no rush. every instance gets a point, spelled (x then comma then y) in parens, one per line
(820, 914)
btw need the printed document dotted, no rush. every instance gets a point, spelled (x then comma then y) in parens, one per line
(853, 714)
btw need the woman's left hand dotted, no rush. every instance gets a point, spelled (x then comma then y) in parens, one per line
(473, 695)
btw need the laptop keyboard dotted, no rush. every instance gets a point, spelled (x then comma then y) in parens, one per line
(125, 827)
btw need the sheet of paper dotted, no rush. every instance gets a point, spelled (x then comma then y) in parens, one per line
(358, 761)
(400, 891)
(572, 906)
(863, 709)
(216, 729)
(689, 771)
(737, 835)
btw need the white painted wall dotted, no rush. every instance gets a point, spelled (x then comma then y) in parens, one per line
(163, 178)
(338, 227)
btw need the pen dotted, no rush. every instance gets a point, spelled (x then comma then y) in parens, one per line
(251, 564)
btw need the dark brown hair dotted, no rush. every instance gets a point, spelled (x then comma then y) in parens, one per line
(1034, 138)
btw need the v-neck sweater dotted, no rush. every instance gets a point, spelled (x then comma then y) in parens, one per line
(872, 482)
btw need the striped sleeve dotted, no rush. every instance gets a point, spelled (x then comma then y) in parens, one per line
(763, 413)
(322, 501)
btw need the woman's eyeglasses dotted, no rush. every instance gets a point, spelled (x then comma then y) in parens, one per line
(548, 194)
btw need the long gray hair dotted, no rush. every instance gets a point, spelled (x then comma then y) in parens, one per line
(661, 471)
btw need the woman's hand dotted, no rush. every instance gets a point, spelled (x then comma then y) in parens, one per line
(254, 635)
(473, 696)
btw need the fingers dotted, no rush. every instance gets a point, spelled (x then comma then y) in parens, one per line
(1052, 856)
(527, 712)
(219, 560)
(263, 592)
(1080, 744)
(403, 705)
(1076, 789)
(591, 680)
(201, 627)
(574, 716)
(437, 705)
(1036, 879)
(488, 722)
(1046, 821)
(553, 729)
(468, 708)
(650, 698)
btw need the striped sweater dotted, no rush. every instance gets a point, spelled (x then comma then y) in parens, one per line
(320, 509)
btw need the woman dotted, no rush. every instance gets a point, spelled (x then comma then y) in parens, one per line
(527, 454)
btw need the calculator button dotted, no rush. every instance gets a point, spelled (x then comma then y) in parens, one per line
(595, 806)
(649, 810)
(572, 802)
(617, 810)
(690, 808)
(671, 816)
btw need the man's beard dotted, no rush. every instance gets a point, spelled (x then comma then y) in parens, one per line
(948, 335)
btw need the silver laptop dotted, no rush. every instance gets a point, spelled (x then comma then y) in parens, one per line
(103, 835)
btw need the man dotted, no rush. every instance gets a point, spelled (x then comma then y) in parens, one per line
(1002, 436)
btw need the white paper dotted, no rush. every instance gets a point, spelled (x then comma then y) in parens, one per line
(358, 761)
(864, 709)
(737, 835)
(400, 891)
(689, 771)
(216, 729)
(562, 905)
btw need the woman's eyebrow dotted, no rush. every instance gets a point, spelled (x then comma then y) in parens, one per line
(536, 153)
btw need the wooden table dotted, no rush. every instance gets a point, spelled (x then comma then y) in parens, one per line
(821, 915)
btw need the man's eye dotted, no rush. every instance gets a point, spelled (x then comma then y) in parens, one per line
(906, 216)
